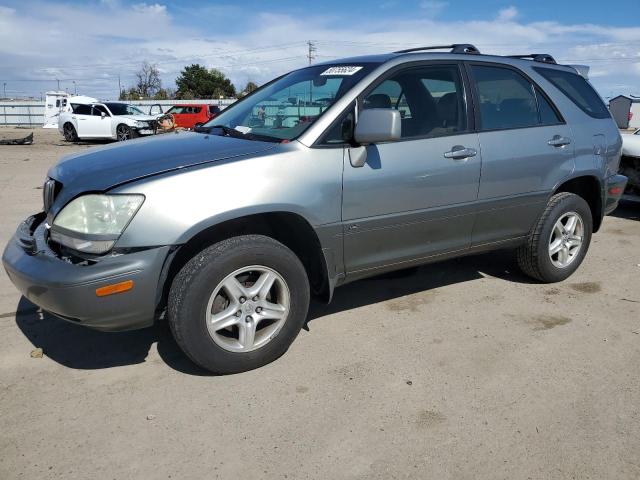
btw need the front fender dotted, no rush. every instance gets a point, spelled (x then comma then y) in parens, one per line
(180, 204)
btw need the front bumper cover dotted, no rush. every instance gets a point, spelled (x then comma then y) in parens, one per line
(68, 290)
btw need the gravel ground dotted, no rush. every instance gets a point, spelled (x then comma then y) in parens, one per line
(460, 370)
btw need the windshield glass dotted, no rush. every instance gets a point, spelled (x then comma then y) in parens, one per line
(123, 109)
(288, 106)
(177, 109)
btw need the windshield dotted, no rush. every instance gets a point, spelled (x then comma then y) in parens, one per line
(288, 106)
(123, 109)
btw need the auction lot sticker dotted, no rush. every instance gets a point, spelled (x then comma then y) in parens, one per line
(341, 70)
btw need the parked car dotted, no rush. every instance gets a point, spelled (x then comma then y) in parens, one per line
(421, 156)
(191, 116)
(114, 120)
(630, 163)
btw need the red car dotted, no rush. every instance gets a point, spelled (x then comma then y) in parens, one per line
(192, 115)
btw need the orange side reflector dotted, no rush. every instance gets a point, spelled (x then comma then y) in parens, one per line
(615, 190)
(115, 288)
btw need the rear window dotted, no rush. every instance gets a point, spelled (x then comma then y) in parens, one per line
(578, 90)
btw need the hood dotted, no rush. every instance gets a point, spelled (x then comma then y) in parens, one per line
(139, 118)
(103, 168)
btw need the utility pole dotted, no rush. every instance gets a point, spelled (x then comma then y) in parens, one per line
(312, 50)
(4, 86)
(75, 88)
(119, 87)
(311, 56)
(58, 84)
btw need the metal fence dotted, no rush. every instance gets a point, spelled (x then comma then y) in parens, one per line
(31, 113)
(27, 113)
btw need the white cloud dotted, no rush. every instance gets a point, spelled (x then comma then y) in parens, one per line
(433, 7)
(113, 38)
(153, 9)
(507, 14)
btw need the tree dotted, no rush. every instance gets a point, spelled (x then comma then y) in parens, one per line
(195, 81)
(164, 94)
(148, 80)
(250, 87)
(131, 94)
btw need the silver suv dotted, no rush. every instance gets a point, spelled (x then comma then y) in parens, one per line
(326, 175)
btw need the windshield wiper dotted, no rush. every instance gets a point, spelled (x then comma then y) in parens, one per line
(232, 132)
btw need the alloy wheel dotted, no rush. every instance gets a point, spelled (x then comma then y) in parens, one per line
(123, 133)
(68, 133)
(248, 308)
(566, 239)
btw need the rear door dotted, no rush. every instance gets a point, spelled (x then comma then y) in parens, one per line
(526, 147)
(414, 198)
(81, 114)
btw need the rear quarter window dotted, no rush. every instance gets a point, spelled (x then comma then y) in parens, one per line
(578, 90)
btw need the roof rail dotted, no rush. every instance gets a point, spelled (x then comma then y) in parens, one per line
(536, 57)
(455, 48)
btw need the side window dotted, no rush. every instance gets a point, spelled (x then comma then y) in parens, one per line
(548, 115)
(578, 90)
(506, 98)
(430, 99)
(80, 109)
(98, 110)
(388, 95)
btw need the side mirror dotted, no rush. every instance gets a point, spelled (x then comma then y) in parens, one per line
(102, 114)
(378, 125)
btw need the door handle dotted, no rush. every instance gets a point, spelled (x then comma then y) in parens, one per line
(459, 152)
(558, 141)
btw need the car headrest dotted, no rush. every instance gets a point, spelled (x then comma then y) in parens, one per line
(378, 100)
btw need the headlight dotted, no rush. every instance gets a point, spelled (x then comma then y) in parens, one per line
(92, 223)
(140, 124)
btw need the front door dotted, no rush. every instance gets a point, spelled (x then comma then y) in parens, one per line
(527, 149)
(414, 198)
(96, 125)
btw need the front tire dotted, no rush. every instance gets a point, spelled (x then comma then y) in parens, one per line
(124, 133)
(559, 240)
(238, 304)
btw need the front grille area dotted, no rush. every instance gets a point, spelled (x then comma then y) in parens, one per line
(50, 191)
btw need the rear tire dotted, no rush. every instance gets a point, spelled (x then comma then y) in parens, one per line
(70, 134)
(216, 301)
(559, 240)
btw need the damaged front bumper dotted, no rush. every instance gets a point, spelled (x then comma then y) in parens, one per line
(68, 290)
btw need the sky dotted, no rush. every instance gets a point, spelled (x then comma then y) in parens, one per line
(88, 45)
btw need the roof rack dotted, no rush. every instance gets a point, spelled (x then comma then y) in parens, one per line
(455, 48)
(536, 57)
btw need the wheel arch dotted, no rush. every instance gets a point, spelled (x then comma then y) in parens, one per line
(590, 188)
(290, 229)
